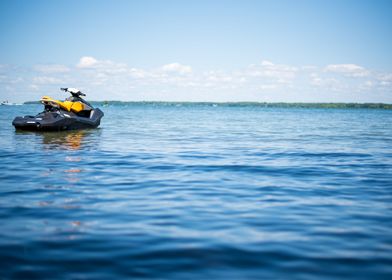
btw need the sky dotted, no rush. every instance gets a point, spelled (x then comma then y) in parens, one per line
(215, 50)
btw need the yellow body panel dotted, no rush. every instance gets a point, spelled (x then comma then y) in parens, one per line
(67, 105)
(77, 107)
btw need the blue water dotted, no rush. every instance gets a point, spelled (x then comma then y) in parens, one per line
(199, 192)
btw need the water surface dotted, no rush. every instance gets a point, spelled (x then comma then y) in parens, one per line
(199, 192)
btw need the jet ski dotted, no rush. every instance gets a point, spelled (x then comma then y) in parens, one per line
(73, 113)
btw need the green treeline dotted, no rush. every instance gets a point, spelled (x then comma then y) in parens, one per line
(246, 104)
(256, 104)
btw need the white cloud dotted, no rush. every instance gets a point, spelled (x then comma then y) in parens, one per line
(351, 70)
(46, 80)
(51, 68)
(177, 68)
(34, 87)
(216, 76)
(315, 79)
(385, 77)
(267, 87)
(280, 72)
(137, 73)
(266, 63)
(264, 81)
(87, 62)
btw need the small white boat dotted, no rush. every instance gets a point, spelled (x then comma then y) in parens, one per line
(9, 104)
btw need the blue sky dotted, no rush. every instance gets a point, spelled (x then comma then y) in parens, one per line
(222, 50)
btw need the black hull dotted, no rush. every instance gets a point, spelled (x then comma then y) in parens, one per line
(58, 121)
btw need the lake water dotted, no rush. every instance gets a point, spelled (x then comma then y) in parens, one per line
(199, 192)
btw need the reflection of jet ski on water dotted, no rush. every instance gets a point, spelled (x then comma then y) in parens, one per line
(73, 113)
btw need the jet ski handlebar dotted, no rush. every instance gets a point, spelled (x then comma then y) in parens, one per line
(73, 91)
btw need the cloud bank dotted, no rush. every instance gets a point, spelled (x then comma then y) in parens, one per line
(262, 81)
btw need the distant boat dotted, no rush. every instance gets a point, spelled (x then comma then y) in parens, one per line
(8, 103)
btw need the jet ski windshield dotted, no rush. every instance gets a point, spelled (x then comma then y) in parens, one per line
(74, 91)
(76, 95)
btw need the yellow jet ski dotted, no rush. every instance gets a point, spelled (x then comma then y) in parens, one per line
(72, 113)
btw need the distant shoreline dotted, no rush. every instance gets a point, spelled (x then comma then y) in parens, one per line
(384, 106)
